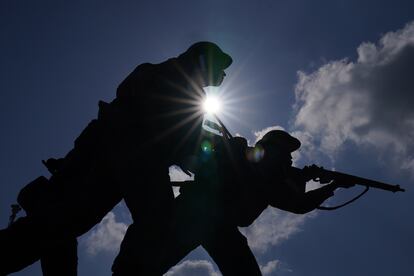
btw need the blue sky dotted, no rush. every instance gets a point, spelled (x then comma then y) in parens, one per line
(337, 74)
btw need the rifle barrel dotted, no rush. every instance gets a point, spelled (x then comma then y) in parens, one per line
(364, 181)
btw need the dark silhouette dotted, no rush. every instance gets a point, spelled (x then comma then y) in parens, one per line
(232, 189)
(154, 122)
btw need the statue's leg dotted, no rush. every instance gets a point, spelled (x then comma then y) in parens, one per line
(149, 198)
(231, 253)
(20, 246)
(60, 258)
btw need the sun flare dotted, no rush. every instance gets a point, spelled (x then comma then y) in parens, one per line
(212, 105)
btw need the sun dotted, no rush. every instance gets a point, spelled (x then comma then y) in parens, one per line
(212, 105)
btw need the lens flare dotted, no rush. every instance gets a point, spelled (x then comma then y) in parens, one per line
(212, 105)
(206, 146)
(255, 154)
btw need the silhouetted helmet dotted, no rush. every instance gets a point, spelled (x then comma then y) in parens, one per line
(281, 139)
(208, 53)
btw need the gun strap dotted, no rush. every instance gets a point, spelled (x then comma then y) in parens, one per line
(344, 204)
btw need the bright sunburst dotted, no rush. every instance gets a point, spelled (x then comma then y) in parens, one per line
(226, 102)
(212, 105)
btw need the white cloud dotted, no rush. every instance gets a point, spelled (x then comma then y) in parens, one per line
(177, 175)
(273, 227)
(369, 102)
(106, 236)
(193, 267)
(260, 133)
(206, 268)
(270, 268)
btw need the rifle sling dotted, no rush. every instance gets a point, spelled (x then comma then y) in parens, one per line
(344, 204)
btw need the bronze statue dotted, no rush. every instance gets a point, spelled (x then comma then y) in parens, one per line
(154, 122)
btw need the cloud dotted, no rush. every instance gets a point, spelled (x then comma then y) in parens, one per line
(369, 102)
(206, 268)
(106, 236)
(273, 227)
(176, 174)
(193, 267)
(260, 133)
(270, 268)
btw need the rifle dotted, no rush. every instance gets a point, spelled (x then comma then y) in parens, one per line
(344, 180)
